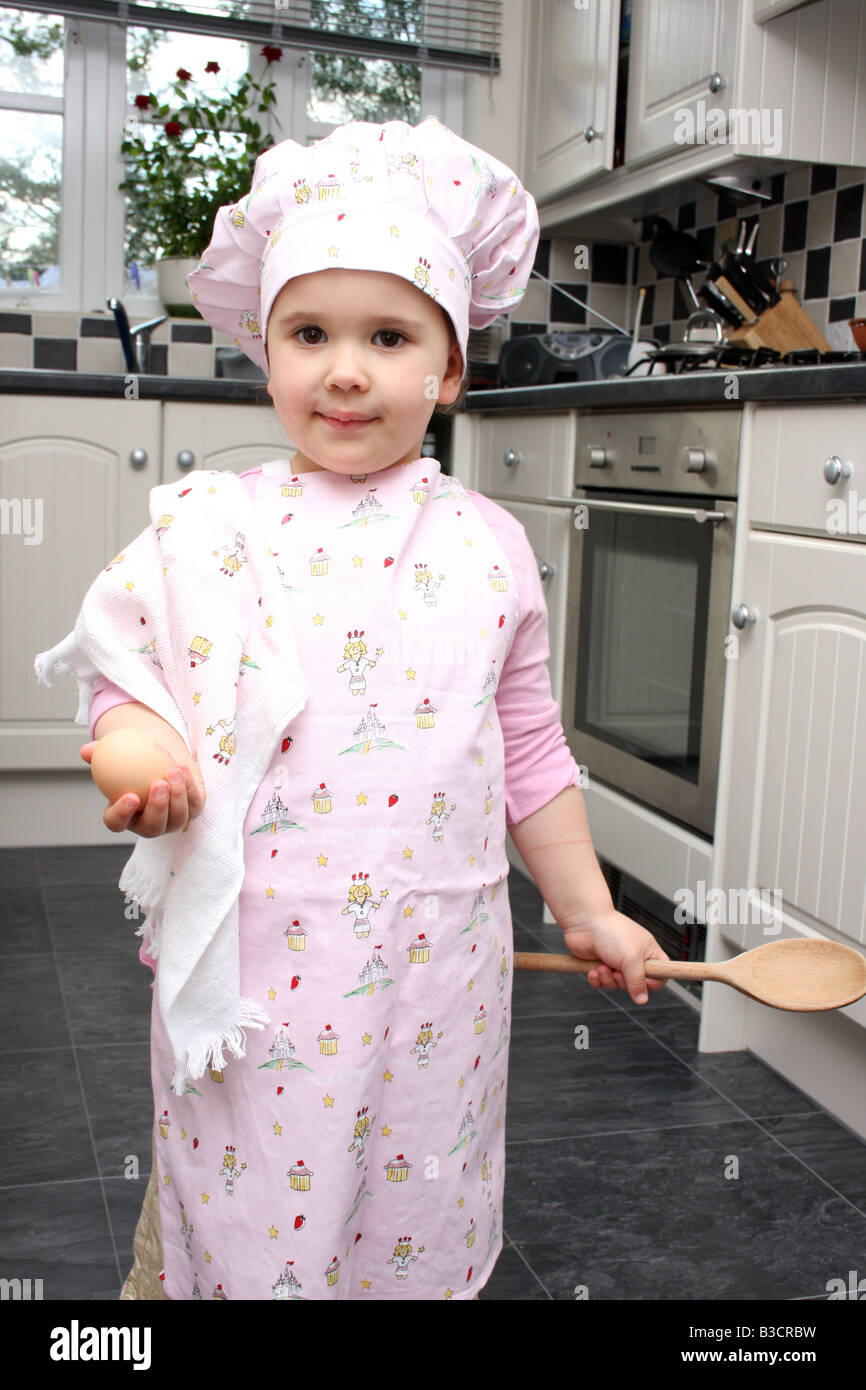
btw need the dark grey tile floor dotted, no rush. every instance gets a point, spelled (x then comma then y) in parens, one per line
(619, 1155)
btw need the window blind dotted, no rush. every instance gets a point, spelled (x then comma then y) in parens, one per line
(463, 34)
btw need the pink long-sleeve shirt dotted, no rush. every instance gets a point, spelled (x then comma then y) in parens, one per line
(538, 761)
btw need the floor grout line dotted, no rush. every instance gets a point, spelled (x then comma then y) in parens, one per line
(520, 1255)
(71, 1182)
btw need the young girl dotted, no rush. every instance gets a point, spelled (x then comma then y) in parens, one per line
(345, 652)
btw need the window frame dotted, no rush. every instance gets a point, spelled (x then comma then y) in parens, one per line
(95, 108)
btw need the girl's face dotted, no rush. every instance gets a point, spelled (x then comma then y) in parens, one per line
(358, 343)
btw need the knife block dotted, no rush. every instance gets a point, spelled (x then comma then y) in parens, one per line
(785, 327)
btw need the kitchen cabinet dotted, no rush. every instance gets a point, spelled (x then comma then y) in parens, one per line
(812, 474)
(70, 457)
(797, 824)
(82, 468)
(681, 51)
(571, 93)
(221, 436)
(791, 814)
(526, 456)
(788, 90)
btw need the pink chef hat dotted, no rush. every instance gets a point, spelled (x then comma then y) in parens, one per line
(415, 201)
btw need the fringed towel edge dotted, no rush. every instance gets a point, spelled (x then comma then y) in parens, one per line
(209, 1053)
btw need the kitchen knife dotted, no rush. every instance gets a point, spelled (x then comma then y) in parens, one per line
(739, 268)
(745, 287)
(750, 267)
(723, 307)
(725, 287)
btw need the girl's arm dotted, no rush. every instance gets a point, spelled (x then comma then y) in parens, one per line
(556, 847)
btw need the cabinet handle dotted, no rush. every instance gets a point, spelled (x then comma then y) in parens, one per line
(716, 82)
(512, 457)
(138, 458)
(834, 469)
(545, 569)
(185, 459)
(743, 614)
(591, 134)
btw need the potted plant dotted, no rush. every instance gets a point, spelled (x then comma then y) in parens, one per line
(205, 158)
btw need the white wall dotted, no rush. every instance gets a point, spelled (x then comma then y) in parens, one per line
(501, 130)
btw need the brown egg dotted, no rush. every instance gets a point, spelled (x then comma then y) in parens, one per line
(129, 760)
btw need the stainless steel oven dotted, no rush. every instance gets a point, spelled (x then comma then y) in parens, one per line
(649, 590)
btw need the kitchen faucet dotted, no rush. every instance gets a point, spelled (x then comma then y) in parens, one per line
(128, 336)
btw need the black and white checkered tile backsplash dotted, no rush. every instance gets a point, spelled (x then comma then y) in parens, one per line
(814, 222)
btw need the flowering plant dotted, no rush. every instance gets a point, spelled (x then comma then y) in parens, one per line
(201, 159)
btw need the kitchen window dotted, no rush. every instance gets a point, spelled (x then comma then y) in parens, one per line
(31, 138)
(63, 110)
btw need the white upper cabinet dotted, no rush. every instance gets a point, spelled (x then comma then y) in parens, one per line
(572, 53)
(703, 74)
(683, 53)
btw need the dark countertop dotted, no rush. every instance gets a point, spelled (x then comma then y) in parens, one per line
(46, 381)
(844, 382)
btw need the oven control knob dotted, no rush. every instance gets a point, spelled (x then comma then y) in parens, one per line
(742, 614)
(697, 460)
(598, 456)
(834, 469)
(512, 457)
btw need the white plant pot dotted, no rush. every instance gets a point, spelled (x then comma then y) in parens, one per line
(171, 276)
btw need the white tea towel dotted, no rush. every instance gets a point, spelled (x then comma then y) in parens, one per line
(196, 595)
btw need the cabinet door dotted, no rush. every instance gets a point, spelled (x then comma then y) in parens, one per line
(796, 816)
(530, 455)
(790, 491)
(573, 54)
(677, 49)
(211, 434)
(65, 462)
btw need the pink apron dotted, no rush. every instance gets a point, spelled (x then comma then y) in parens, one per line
(358, 1149)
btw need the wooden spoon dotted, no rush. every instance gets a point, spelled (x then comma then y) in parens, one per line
(804, 973)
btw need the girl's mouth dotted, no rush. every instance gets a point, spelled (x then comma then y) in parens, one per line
(345, 425)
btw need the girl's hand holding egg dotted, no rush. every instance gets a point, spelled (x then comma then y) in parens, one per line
(150, 793)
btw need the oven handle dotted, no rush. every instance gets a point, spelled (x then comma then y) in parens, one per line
(698, 514)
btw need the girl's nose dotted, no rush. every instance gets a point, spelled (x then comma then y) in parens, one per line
(346, 367)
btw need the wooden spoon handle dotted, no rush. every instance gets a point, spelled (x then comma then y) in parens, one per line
(802, 974)
(654, 969)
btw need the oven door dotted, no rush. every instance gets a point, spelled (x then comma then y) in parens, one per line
(649, 587)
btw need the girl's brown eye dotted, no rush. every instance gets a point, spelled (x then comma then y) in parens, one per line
(389, 333)
(309, 328)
